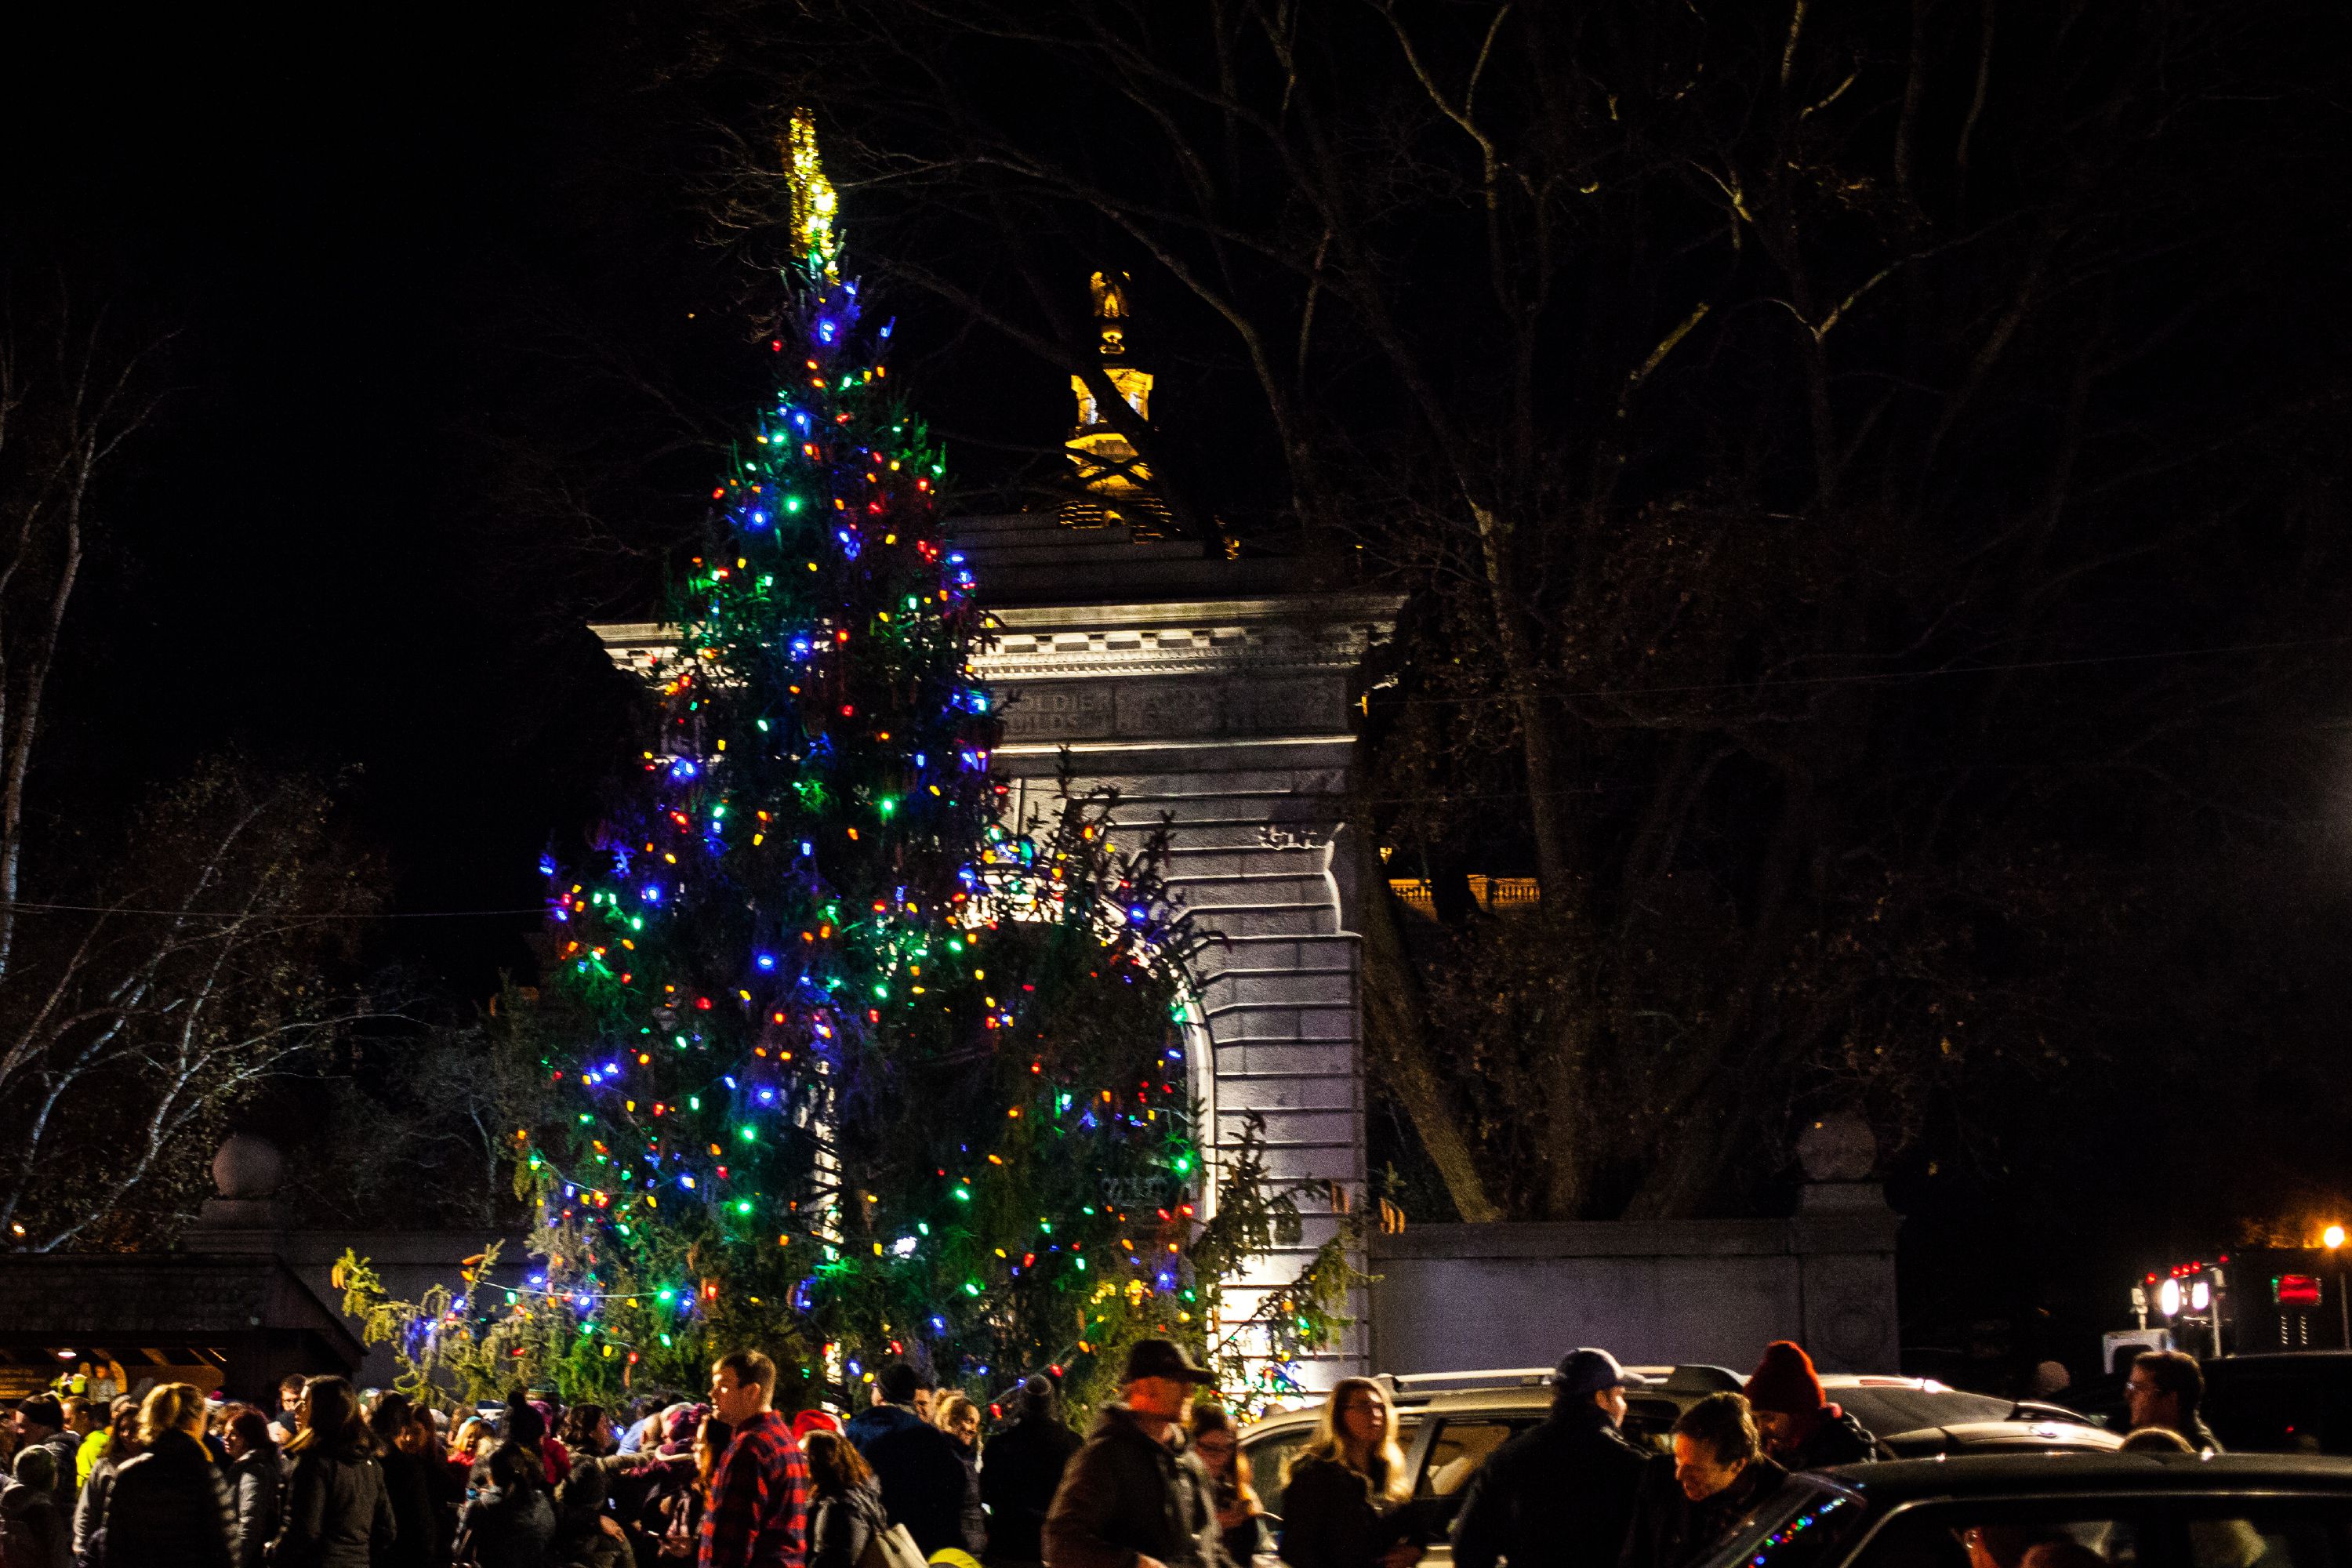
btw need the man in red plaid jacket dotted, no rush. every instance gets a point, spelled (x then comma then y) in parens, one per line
(757, 1515)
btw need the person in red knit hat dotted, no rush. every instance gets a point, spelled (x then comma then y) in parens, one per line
(1801, 1427)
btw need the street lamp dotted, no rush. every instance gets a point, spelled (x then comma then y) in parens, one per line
(2333, 1236)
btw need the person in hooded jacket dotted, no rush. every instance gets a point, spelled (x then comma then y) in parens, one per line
(33, 1531)
(1801, 1429)
(256, 1478)
(337, 1510)
(1020, 1469)
(1561, 1494)
(845, 1510)
(170, 1504)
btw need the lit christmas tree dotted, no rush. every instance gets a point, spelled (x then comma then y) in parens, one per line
(841, 1065)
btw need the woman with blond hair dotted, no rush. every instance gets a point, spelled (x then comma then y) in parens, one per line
(170, 1504)
(1345, 1481)
(338, 1512)
(954, 1414)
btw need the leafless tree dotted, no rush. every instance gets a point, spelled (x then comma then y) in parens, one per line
(1805, 431)
(133, 1026)
(70, 397)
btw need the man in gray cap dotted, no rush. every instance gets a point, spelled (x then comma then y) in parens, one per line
(1561, 1496)
(1137, 1496)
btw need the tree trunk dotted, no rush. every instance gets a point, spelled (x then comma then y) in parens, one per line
(1396, 1043)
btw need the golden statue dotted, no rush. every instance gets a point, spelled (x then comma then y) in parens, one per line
(1116, 479)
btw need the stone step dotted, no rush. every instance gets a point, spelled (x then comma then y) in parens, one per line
(1216, 890)
(1192, 861)
(1268, 919)
(1226, 995)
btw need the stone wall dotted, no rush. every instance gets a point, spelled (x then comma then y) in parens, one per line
(1452, 1298)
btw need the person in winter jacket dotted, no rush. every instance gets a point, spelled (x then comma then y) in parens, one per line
(122, 1446)
(507, 1521)
(33, 1531)
(405, 1485)
(1345, 1481)
(1136, 1489)
(845, 1510)
(170, 1504)
(1719, 1474)
(954, 1414)
(1560, 1495)
(1801, 1429)
(1020, 1469)
(1241, 1517)
(586, 1535)
(922, 1479)
(337, 1512)
(895, 1388)
(256, 1479)
(40, 1421)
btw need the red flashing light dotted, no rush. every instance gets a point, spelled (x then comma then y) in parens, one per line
(2296, 1290)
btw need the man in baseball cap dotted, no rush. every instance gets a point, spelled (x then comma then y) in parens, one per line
(1560, 1495)
(1135, 1496)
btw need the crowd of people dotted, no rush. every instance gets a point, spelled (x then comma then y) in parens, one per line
(332, 1480)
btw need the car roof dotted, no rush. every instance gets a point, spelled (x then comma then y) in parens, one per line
(2060, 1471)
(1529, 1388)
(2014, 1434)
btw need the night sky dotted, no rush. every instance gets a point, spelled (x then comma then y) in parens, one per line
(353, 235)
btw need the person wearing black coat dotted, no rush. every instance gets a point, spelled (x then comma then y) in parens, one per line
(1136, 1489)
(1718, 1475)
(337, 1512)
(403, 1484)
(256, 1478)
(1560, 1495)
(845, 1510)
(1020, 1469)
(1801, 1429)
(1345, 1483)
(507, 1521)
(170, 1504)
(923, 1483)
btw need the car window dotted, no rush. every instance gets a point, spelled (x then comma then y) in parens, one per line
(1269, 1456)
(1650, 1424)
(1887, 1410)
(1460, 1446)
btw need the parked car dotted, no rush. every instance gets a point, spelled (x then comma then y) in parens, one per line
(2125, 1511)
(1448, 1423)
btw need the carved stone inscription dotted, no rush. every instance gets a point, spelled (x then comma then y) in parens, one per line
(1146, 710)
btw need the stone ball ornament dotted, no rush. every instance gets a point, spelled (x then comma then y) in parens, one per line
(1838, 1147)
(249, 1167)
